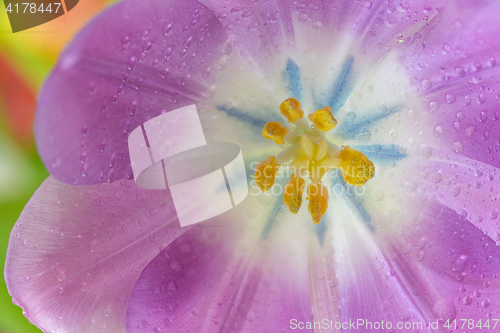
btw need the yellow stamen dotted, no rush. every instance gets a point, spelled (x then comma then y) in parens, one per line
(276, 131)
(356, 168)
(321, 150)
(306, 148)
(265, 173)
(318, 201)
(293, 193)
(314, 159)
(310, 155)
(291, 109)
(323, 119)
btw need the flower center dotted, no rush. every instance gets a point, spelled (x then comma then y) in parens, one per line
(309, 155)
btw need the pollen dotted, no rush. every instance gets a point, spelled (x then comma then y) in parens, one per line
(356, 168)
(291, 109)
(265, 173)
(293, 192)
(309, 156)
(276, 131)
(323, 119)
(318, 201)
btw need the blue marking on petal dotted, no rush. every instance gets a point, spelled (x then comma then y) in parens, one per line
(321, 227)
(245, 117)
(382, 153)
(347, 192)
(293, 82)
(352, 126)
(339, 91)
(273, 216)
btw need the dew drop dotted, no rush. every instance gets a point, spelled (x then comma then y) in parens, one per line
(252, 26)
(367, 4)
(132, 108)
(450, 98)
(455, 190)
(84, 170)
(433, 106)
(438, 131)
(426, 84)
(459, 264)
(167, 29)
(467, 100)
(85, 131)
(459, 71)
(176, 265)
(470, 130)
(250, 316)
(481, 99)
(445, 310)
(131, 63)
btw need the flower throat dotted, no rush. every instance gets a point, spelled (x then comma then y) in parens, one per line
(311, 156)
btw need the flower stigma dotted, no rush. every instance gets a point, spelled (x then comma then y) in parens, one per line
(309, 155)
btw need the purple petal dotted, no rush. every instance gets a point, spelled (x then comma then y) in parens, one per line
(260, 30)
(456, 73)
(265, 30)
(133, 62)
(203, 283)
(450, 264)
(470, 188)
(368, 284)
(434, 266)
(76, 253)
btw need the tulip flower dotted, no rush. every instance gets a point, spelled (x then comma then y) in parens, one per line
(369, 130)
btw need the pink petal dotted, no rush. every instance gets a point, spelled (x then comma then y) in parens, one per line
(456, 73)
(203, 282)
(136, 60)
(76, 253)
(451, 266)
(267, 30)
(470, 188)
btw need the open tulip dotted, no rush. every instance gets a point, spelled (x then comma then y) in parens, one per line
(407, 91)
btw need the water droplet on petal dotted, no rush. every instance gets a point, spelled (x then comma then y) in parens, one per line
(459, 71)
(131, 63)
(470, 130)
(433, 106)
(167, 29)
(438, 131)
(450, 98)
(455, 190)
(176, 265)
(426, 84)
(445, 310)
